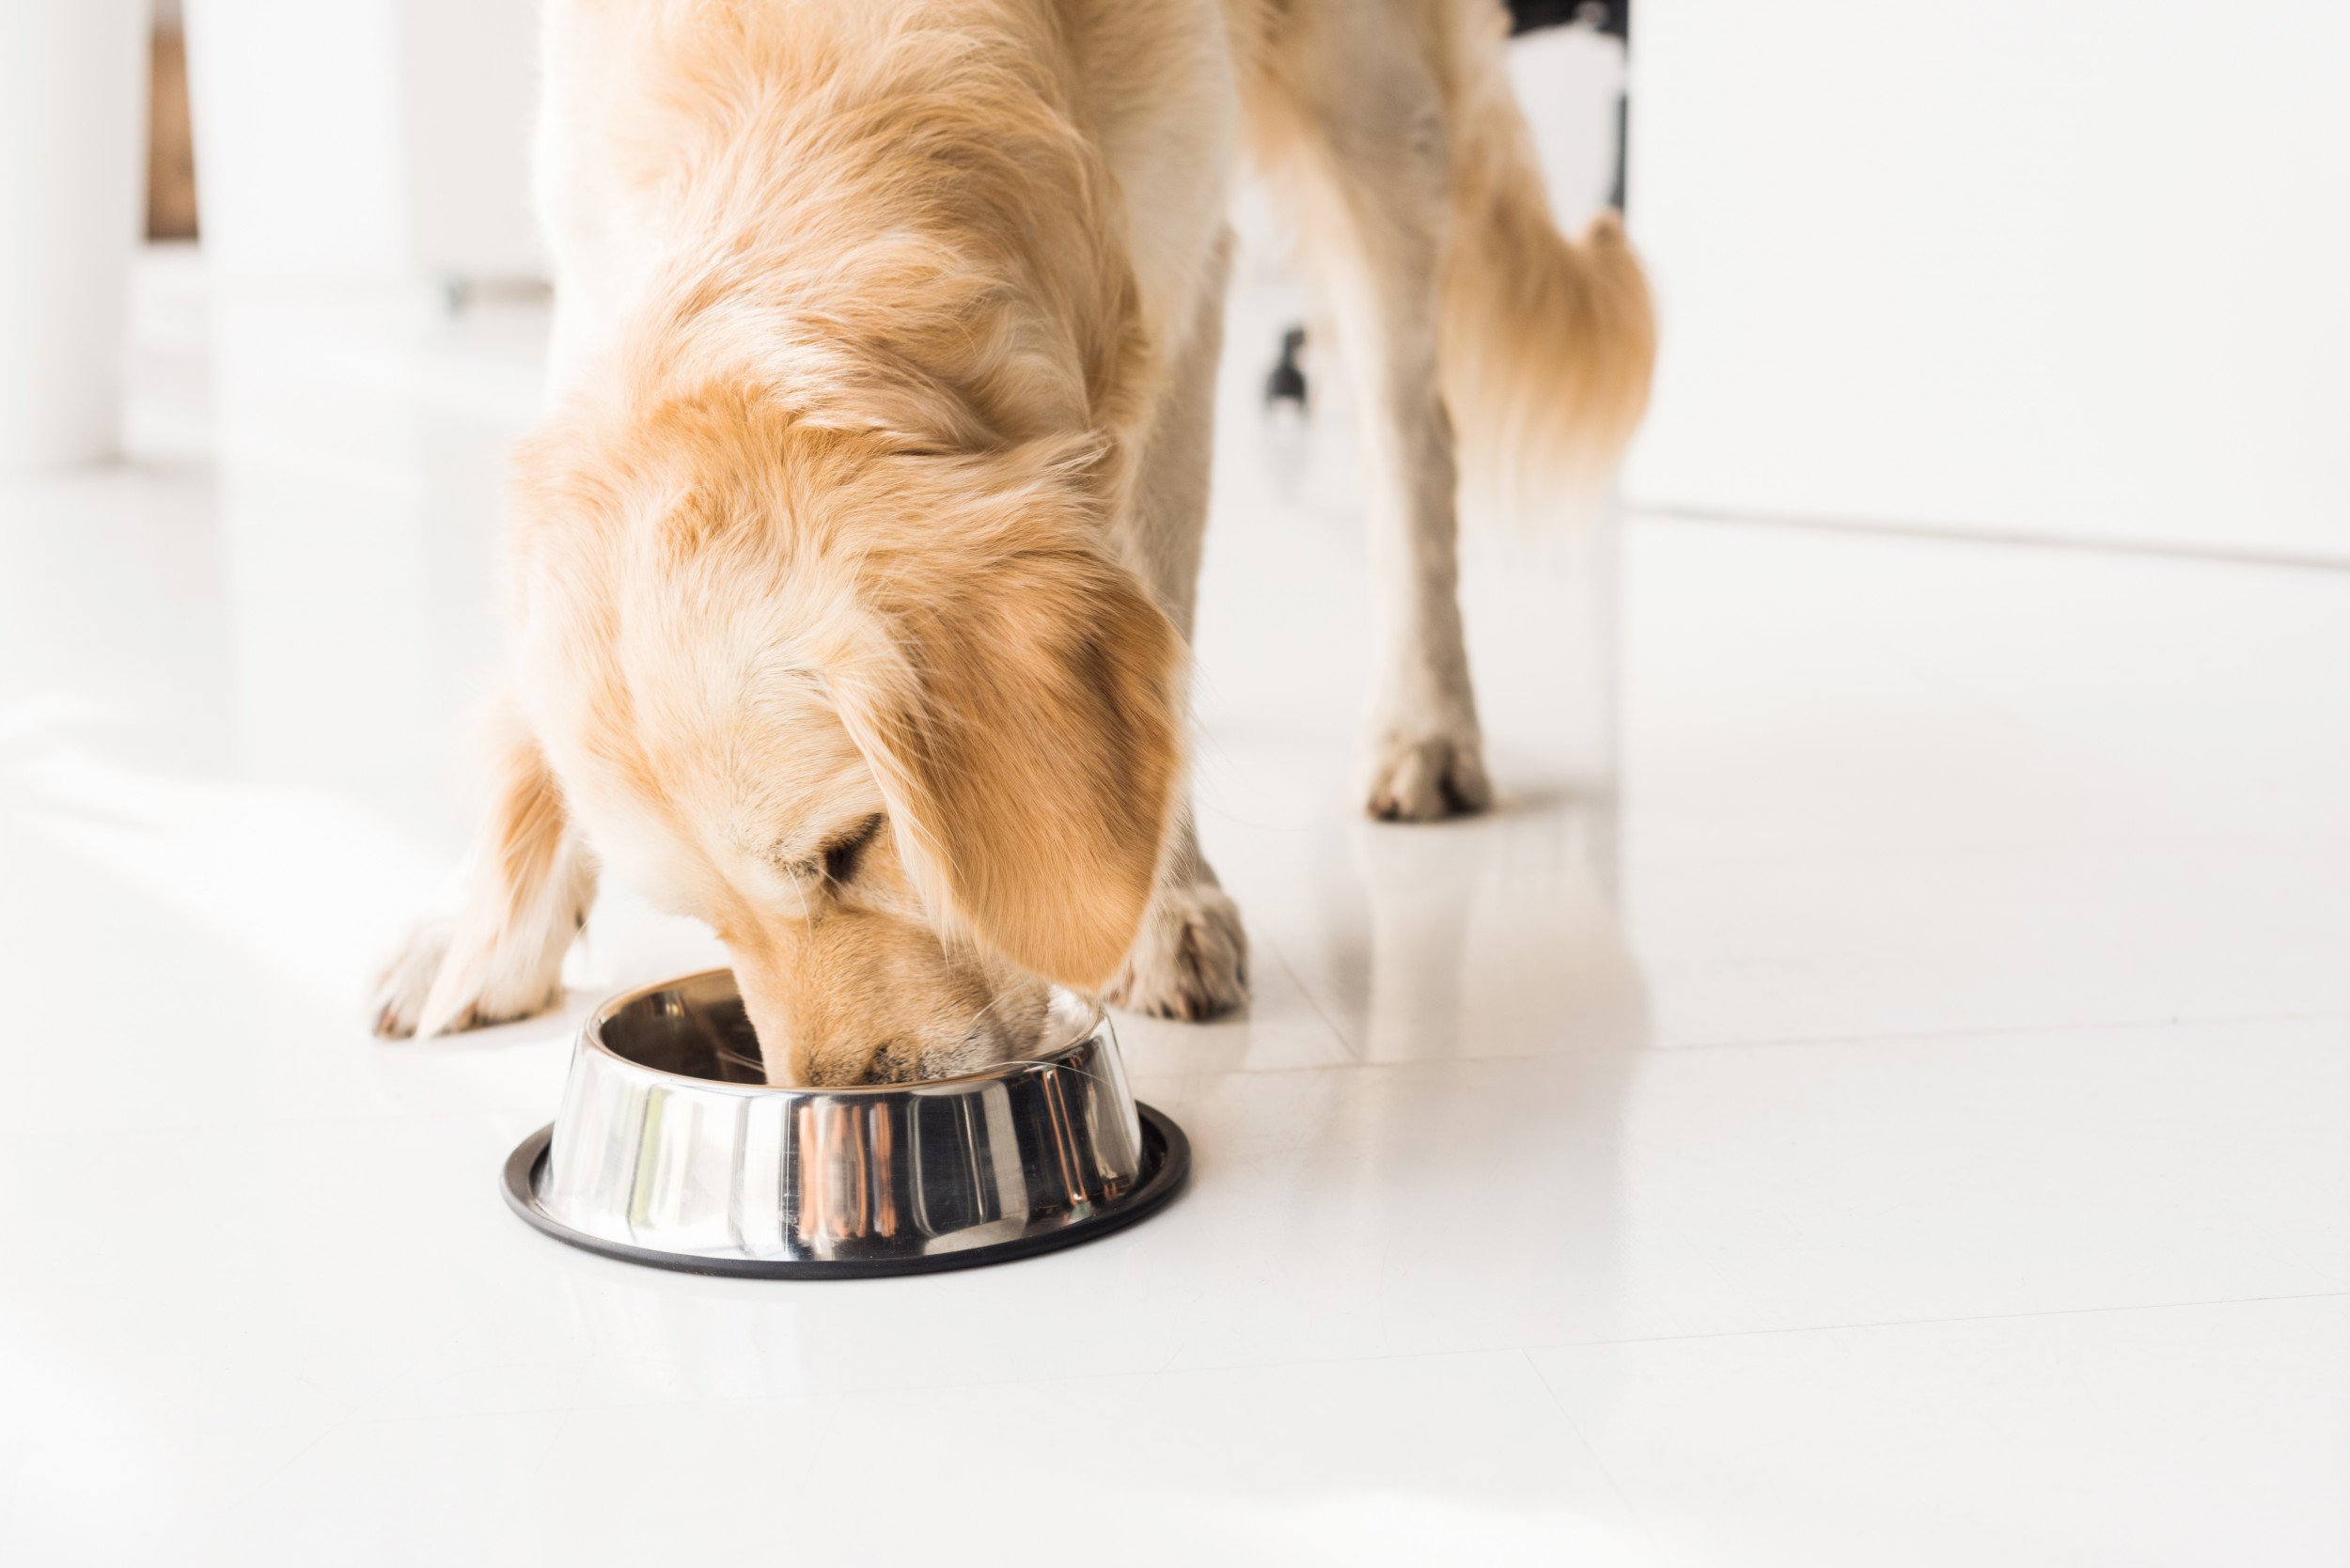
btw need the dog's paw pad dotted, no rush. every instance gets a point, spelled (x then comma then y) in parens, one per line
(1190, 960)
(1427, 778)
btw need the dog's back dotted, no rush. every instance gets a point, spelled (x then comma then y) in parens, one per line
(961, 176)
(879, 216)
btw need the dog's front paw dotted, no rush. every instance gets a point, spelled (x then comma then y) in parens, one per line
(398, 1000)
(1423, 777)
(1190, 961)
(435, 984)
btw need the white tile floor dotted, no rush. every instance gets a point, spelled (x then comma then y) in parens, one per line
(1905, 1119)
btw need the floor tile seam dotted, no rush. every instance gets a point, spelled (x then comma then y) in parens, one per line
(1599, 1461)
(1920, 668)
(2012, 1031)
(853, 1390)
(1242, 1075)
(246, 1495)
(324, 1426)
(1346, 1041)
(2067, 734)
(2241, 848)
(1939, 1321)
(13, 1468)
(1188, 1076)
(1522, 1351)
(248, 1125)
(1987, 1033)
(226, 1508)
(1185, 1075)
(2067, 730)
(172, 1428)
(1952, 533)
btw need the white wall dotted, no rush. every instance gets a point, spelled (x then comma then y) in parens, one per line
(1568, 81)
(363, 140)
(73, 150)
(300, 171)
(468, 91)
(2064, 266)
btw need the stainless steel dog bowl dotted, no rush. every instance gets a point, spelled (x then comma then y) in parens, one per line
(671, 1149)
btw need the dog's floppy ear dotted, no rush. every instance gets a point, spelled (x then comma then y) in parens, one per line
(1022, 724)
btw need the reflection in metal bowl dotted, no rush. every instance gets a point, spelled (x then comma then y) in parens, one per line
(671, 1148)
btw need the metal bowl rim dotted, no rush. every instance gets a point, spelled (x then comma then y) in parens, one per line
(592, 1037)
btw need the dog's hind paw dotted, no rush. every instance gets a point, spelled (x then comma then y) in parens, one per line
(1425, 778)
(1190, 960)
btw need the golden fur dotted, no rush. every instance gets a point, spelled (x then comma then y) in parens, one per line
(852, 568)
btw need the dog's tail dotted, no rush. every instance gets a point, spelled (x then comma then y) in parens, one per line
(1547, 343)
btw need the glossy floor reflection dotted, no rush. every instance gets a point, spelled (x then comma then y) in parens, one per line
(1876, 1091)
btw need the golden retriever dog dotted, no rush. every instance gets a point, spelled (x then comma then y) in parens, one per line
(852, 570)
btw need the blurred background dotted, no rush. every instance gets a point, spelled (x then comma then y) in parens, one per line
(2064, 270)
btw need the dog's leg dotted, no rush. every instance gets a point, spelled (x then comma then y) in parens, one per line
(1190, 960)
(528, 883)
(1354, 120)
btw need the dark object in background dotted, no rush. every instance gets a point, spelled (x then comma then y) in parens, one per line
(1611, 17)
(170, 144)
(1286, 384)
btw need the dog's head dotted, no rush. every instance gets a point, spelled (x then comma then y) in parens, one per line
(886, 720)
